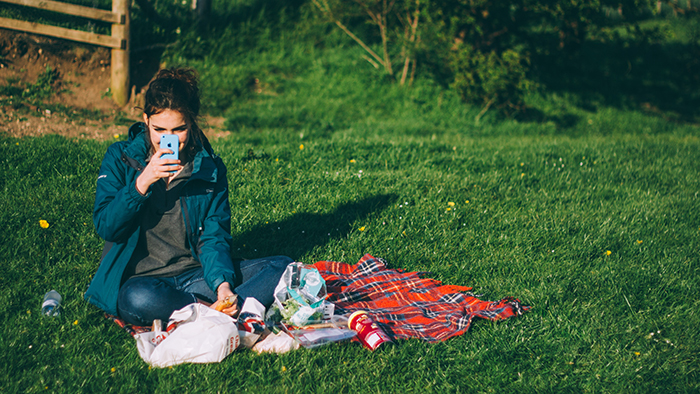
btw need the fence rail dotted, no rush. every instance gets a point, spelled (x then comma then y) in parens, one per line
(118, 41)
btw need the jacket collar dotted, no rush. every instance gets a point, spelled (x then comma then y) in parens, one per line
(137, 152)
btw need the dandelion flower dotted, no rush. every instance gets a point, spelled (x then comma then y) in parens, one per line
(284, 369)
(43, 223)
(449, 209)
(467, 202)
(450, 204)
(113, 370)
(301, 147)
(637, 353)
(608, 253)
(522, 175)
(75, 323)
(352, 161)
(639, 241)
(362, 228)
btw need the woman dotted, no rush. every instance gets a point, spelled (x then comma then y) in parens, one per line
(166, 222)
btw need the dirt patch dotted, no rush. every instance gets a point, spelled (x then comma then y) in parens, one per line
(81, 89)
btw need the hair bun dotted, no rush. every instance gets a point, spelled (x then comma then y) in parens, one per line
(186, 75)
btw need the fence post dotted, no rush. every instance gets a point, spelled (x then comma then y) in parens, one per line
(120, 57)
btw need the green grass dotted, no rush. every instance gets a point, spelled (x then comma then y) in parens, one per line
(542, 211)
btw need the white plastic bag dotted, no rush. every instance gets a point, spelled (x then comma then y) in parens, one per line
(201, 335)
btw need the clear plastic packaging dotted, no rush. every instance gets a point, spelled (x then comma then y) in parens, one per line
(314, 335)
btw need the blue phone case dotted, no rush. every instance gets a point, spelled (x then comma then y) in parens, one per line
(170, 141)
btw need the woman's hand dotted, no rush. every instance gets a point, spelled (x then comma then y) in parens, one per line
(156, 169)
(226, 300)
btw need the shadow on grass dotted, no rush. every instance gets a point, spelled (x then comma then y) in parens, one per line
(303, 232)
(659, 78)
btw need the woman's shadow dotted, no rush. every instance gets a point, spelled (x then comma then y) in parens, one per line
(302, 232)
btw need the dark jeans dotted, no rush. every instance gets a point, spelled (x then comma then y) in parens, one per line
(144, 299)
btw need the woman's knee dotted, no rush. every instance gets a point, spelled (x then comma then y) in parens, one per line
(280, 262)
(136, 293)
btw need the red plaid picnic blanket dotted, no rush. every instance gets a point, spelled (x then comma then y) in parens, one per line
(406, 305)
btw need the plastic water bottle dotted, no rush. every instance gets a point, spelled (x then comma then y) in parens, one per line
(51, 304)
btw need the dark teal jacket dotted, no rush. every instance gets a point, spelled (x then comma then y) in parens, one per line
(205, 207)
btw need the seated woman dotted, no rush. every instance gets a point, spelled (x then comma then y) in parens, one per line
(167, 222)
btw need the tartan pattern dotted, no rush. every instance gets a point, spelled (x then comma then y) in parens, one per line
(405, 304)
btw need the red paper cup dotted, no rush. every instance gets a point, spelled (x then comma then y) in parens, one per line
(368, 332)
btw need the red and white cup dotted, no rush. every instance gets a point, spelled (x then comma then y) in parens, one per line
(368, 332)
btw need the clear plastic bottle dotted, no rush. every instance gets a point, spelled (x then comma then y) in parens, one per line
(52, 303)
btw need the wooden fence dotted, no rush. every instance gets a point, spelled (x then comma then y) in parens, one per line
(118, 41)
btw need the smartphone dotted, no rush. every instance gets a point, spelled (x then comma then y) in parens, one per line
(170, 141)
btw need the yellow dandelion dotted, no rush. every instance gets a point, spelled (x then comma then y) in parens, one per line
(639, 241)
(75, 323)
(450, 204)
(449, 209)
(637, 353)
(467, 202)
(608, 253)
(403, 232)
(352, 161)
(116, 136)
(43, 223)
(362, 228)
(522, 164)
(277, 159)
(522, 175)
(284, 369)
(113, 370)
(301, 147)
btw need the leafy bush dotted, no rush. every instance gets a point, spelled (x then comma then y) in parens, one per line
(492, 79)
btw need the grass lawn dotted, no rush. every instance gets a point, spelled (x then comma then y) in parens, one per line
(598, 229)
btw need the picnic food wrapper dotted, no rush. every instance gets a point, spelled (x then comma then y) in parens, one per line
(197, 334)
(250, 322)
(276, 343)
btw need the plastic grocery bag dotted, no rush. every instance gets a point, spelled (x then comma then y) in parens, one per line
(300, 297)
(196, 334)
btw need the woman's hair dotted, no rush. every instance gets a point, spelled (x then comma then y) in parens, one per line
(176, 89)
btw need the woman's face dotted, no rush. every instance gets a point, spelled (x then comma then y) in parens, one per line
(167, 122)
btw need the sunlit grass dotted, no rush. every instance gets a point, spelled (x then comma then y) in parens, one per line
(598, 232)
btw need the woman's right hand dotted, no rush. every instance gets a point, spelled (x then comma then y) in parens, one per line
(156, 169)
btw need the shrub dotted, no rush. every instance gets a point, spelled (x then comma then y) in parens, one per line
(492, 79)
